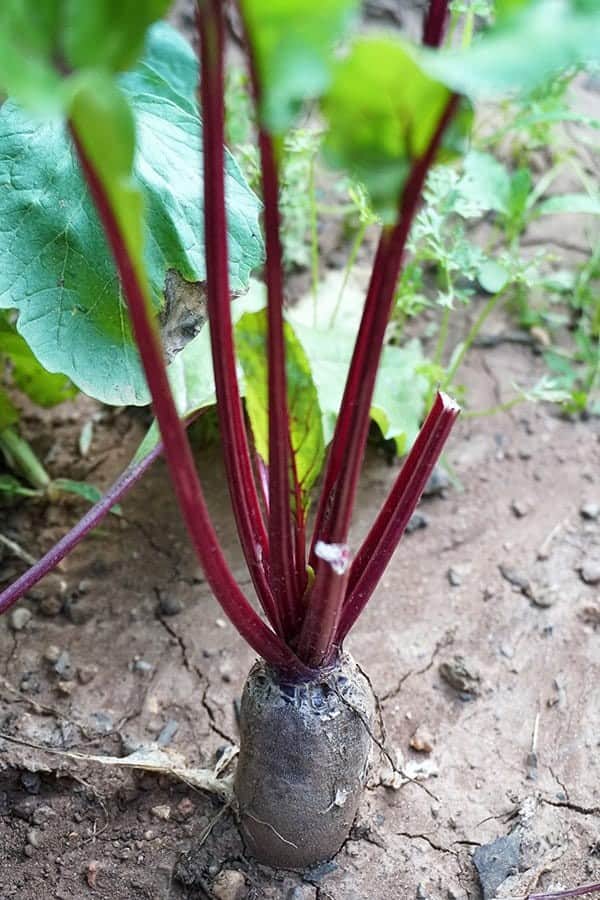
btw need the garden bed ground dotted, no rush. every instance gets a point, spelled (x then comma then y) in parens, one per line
(482, 643)
(497, 577)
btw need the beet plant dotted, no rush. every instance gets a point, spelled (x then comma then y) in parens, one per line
(390, 110)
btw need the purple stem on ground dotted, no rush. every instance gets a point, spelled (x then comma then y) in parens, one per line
(90, 520)
(573, 892)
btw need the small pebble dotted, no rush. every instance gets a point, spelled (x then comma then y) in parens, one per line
(437, 483)
(140, 665)
(422, 740)
(52, 654)
(91, 874)
(32, 782)
(454, 577)
(41, 814)
(457, 674)
(305, 891)
(229, 885)
(169, 604)
(590, 511)
(20, 618)
(34, 838)
(161, 812)
(185, 808)
(546, 598)
(51, 605)
(456, 894)
(79, 610)
(590, 571)
(63, 667)
(167, 733)
(416, 522)
(516, 578)
(520, 508)
(225, 673)
(85, 674)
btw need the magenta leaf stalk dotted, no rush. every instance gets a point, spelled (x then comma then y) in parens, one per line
(69, 541)
(281, 533)
(335, 509)
(284, 531)
(435, 22)
(557, 895)
(177, 449)
(387, 530)
(242, 487)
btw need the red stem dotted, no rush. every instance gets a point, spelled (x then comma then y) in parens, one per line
(573, 892)
(177, 450)
(387, 530)
(299, 539)
(262, 474)
(343, 468)
(69, 541)
(434, 24)
(281, 540)
(236, 453)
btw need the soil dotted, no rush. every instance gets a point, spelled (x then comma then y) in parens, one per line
(482, 645)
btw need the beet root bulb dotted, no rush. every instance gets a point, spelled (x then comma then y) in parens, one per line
(304, 756)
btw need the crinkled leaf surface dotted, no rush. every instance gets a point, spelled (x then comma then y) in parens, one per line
(306, 430)
(382, 111)
(55, 267)
(293, 44)
(564, 33)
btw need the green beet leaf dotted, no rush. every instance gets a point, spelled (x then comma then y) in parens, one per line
(306, 429)
(399, 400)
(55, 267)
(27, 374)
(327, 331)
(565, 33)
(28, 38)
(106, 33)
(40, 41)
(292, 42)
(382, 111)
